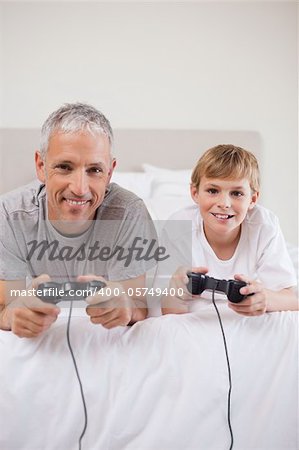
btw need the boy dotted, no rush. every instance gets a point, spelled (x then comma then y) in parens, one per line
(233, 237)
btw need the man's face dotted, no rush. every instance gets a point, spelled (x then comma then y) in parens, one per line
(76, 171)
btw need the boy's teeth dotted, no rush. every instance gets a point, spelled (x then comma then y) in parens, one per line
(222, 216)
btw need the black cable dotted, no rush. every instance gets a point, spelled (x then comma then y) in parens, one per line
(77, 373)
(229, 373)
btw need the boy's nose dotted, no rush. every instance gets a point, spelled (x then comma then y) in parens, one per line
(224, 201)
(79, 183)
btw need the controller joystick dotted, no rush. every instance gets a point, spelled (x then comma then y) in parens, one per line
(54, 293)
(198, 282)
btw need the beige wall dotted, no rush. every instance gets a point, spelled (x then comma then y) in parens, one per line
(189, 65)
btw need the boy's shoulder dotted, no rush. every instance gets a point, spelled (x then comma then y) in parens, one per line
(260, 215)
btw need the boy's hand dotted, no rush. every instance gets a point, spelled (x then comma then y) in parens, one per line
(179, 280)
(255, 304)
(111, 307)
(28, 316)
(179, 303)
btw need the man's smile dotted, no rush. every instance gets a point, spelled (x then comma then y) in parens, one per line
(74, 202)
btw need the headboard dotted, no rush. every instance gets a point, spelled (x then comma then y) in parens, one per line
(173, 149)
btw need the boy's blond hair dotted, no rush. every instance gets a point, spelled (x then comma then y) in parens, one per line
(227, 161)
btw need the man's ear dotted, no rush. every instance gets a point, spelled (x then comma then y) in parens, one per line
(254, 198)
(40, 167)
(112, 167)
(194, 193)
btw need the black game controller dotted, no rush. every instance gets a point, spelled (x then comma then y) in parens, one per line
(198, 282)
(54, 293)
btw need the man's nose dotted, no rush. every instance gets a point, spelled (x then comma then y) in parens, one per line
(79, 183)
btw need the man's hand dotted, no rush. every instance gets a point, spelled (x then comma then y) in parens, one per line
(111, 307)
(178, 304)
(255, 304)
(28, 316)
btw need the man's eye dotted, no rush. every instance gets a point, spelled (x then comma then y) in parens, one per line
(96, 170)
(212, 191)
(63, 167)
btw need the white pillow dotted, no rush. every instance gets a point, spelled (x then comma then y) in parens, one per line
(169, 182)
(138, 182)
(161, 208)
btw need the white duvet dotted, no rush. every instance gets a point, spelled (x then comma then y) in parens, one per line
(161, 384)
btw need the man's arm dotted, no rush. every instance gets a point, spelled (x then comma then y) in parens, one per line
(119, 304)
(139, 303)
(25, 315)
(6, 289)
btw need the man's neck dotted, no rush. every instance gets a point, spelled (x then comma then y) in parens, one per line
(71, 228)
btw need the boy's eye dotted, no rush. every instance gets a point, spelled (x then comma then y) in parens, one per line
(237, 193)
(212, 191)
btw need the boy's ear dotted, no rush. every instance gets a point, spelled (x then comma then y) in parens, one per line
(254, 199)
(194, 193)
(40, 167)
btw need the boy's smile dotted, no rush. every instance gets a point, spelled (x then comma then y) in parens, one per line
(222, 216)
(223, 205)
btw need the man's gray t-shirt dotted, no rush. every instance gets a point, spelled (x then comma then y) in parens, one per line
(30, 245)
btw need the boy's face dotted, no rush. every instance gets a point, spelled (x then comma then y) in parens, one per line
(223, 204)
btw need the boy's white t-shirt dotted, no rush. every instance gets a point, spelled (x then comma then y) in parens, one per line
(261, 253)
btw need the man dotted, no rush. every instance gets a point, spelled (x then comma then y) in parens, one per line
(72, 225)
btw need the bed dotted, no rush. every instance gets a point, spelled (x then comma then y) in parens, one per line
(162, 383)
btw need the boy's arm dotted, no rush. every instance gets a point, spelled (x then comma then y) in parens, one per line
(261, 300)
(179, 304)
(283, 300)
(173, 305)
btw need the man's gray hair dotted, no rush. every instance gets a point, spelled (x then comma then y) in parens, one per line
(72, 118)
